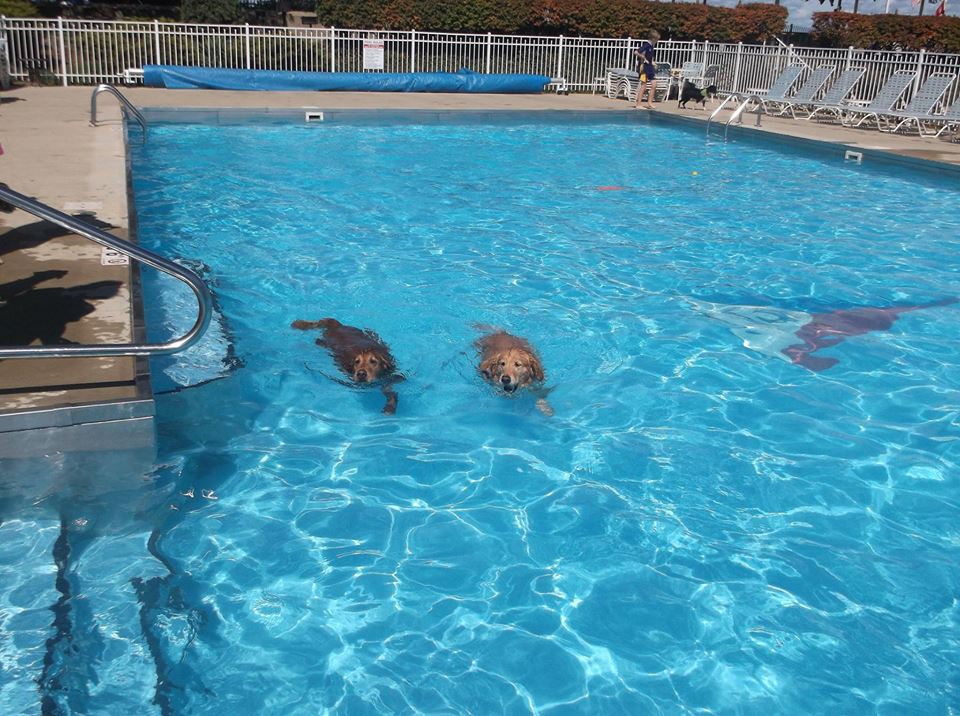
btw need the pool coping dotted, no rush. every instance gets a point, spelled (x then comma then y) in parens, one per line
(70, 426)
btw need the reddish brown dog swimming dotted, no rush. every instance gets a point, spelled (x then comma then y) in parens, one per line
(510, 363)
(360, 354)
(828, 329)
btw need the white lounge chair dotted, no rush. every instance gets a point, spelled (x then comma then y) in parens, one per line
(778, 91)
(921, 106)
(835, 99)
(948, 120)
(887, 98)
(807, 94)
(618, 82)
(689, 72)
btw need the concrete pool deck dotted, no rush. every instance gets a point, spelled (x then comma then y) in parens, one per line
(54, 155)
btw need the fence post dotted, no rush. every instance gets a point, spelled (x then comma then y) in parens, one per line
(413, 50)
(849, 57)
(626, 54)
(156, 42)
(333, 49)
(560, 59)
(246, 43)
(489, 42)
(705, 43)
(916, 80)
(63, 51)
(736, 68)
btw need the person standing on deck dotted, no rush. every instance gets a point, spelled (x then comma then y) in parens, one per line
(646, 69)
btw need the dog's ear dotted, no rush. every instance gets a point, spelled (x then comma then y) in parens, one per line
(386, 360)
(486, 367)
(536, 368)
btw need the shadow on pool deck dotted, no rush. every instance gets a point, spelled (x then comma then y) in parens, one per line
(54, 286)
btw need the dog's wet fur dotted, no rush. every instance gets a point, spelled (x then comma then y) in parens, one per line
(510, 363)
(360, 354)
(689, 92)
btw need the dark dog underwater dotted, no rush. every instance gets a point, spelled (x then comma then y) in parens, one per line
(795, 335)
(360, 354)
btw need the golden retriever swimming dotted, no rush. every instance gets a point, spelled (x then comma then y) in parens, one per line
(360, 354)
(510, 363)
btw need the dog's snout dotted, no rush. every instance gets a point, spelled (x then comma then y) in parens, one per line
(361, 375)
(505, 379)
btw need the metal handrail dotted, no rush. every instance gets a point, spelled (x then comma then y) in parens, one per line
(127, 104)
(738, 112)
(197, 285)
(715, 112)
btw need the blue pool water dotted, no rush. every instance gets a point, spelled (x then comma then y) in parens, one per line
(703, 526)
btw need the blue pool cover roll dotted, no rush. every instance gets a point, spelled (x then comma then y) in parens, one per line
(464, 80)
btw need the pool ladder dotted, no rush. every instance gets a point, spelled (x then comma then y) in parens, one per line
(196, 284)
(737, 114)
(124, 102)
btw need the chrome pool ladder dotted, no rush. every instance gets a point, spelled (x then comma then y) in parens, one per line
(737, 114)
(124, 102)
(196, 284)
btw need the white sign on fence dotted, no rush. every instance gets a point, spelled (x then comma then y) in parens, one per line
(373, 54)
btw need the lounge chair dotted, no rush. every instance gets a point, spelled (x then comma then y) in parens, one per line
(835, 99)
(949, 120)
(664, 77)
(807, 93)
(710, 76)
(780, 87)
(618, 82)
(887, 98)
(689, 72)
(921, 106)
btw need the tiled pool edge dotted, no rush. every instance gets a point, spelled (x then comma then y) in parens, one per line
(827, 148)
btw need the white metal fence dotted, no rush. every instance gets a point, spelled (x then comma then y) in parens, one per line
(89, 52)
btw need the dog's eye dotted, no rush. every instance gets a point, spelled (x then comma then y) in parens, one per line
(518, 364)
(356, 361)
(373, 361)
(503, 364)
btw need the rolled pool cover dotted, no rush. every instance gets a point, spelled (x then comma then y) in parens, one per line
(463, 80)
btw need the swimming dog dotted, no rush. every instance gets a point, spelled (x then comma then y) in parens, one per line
(829, 329)
(360, 354)
(794, 335)
(510, 363)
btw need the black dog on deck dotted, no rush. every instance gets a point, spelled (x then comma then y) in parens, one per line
(690, 92)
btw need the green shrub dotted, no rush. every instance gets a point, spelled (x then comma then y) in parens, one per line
(591, 18)
(886, 32)
(215, 12)
(17, 8)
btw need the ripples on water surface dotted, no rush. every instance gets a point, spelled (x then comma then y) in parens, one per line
(702, 527)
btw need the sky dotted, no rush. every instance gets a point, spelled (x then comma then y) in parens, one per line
(801, 10)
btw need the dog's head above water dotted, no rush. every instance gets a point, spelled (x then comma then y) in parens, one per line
(370, 366)
(508, 362)
(512, 369)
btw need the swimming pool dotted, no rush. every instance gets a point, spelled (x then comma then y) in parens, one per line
(702, 525)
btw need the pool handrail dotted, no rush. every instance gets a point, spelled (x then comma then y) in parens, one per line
(737, 114)
(715, 112)
(124, 102)
(75, 225)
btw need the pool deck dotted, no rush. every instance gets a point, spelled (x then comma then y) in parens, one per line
(53, 154)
